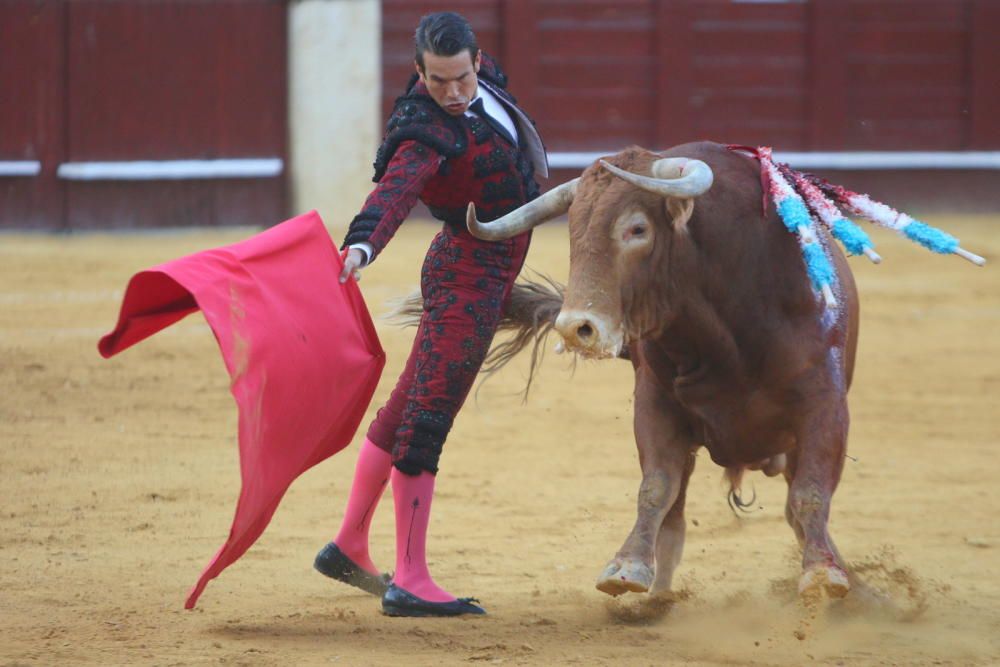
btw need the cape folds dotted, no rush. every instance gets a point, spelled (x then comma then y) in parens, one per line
(300, 349)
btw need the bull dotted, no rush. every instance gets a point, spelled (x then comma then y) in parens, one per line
(675, 264)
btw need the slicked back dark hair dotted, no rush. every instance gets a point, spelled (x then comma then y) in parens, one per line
(444, 34)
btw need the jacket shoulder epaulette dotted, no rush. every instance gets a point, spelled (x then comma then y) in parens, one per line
(417, 117)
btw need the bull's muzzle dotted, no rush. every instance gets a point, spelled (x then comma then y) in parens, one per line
(589, 334)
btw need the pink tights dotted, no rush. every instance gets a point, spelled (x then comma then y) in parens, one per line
(371, 475)
(412, 495)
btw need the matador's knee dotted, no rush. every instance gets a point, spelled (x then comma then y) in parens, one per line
(418, 446)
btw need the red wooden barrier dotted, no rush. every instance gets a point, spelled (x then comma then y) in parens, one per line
(32, 99)
(802, 76)
(165, 80)
(92, 81)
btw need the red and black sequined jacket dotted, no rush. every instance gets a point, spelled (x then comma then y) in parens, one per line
(445, 161)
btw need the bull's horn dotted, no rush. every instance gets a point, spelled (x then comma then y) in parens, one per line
(553, 203)
(672, 177)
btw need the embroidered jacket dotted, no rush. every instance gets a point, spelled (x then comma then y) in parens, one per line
(445, 161)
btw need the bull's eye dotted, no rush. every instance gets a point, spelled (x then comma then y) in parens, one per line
(636, 232)
(633, 231)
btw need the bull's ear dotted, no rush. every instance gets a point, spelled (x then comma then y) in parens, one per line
(679, 212)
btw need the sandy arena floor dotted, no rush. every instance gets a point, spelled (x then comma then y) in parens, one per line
(118, 480)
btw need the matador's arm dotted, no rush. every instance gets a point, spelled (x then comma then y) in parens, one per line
(412, 165)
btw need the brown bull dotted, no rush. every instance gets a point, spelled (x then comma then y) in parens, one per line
(672, 261)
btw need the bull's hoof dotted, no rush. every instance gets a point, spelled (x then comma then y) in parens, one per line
(628, 576)
(828, 578)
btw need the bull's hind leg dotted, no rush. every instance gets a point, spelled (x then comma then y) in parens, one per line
(789, 514)
(664, 455)
(815, 472)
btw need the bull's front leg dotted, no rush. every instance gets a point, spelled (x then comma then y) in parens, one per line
(666, 455)
(818, 464)
(670, 540)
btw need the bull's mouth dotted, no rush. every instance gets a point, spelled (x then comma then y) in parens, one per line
(591, 353)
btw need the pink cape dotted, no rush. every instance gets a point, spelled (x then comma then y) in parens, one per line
(300, 348)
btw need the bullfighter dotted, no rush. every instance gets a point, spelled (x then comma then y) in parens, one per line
(456, 136)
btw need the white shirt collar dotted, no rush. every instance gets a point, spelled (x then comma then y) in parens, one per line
(494, 108)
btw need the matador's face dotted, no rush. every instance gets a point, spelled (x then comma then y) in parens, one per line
(451, 80)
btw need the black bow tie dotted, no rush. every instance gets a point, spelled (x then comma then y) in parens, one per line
(477, 108)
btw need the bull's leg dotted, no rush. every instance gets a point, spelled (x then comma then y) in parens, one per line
(664, 454)
(670, 540)
(820, 461)
(789, 514)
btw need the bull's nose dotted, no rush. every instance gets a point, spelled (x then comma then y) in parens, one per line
(578, 330)
(569, 327)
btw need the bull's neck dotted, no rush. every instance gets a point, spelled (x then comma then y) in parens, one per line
(702, 346)
(720, 296)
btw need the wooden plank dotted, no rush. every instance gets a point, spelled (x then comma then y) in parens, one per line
(402, 16)
(723, 106)
(828, 76)
(582, 137)
(903, 59)
(748, 16)
(749, 73)
(158, 204)
(819, 75)
(592, 14)
(902, 14)
(597, 108)
(906, 71)
(162, 80)
(984, 91)
(904, 135)
(782, 135)
(133, 97)
(739, 42)
(930, 40)
(594, 72)
(519, 50)
(908, 103)
(673, 80)
(32, 60)
(571, 42)
(594, 68)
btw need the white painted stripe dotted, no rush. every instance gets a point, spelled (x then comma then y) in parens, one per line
(20, 168)
(150, 170)
(838, 160)
(893, 160)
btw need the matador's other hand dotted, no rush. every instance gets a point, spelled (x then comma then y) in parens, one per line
(352, 265)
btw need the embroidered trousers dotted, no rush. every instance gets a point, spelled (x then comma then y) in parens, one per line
(464, 283)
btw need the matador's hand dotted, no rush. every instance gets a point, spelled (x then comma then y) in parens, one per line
(352, 265)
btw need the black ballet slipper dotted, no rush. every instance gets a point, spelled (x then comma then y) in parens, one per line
(332, 562)
(399, 602)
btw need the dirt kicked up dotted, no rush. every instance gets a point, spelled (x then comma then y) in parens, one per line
(118, 480)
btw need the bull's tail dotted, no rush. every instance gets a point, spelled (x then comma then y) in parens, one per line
(406, 311)
(735, 496)
(529, 315)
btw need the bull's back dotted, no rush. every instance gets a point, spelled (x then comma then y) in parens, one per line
(760, 273)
